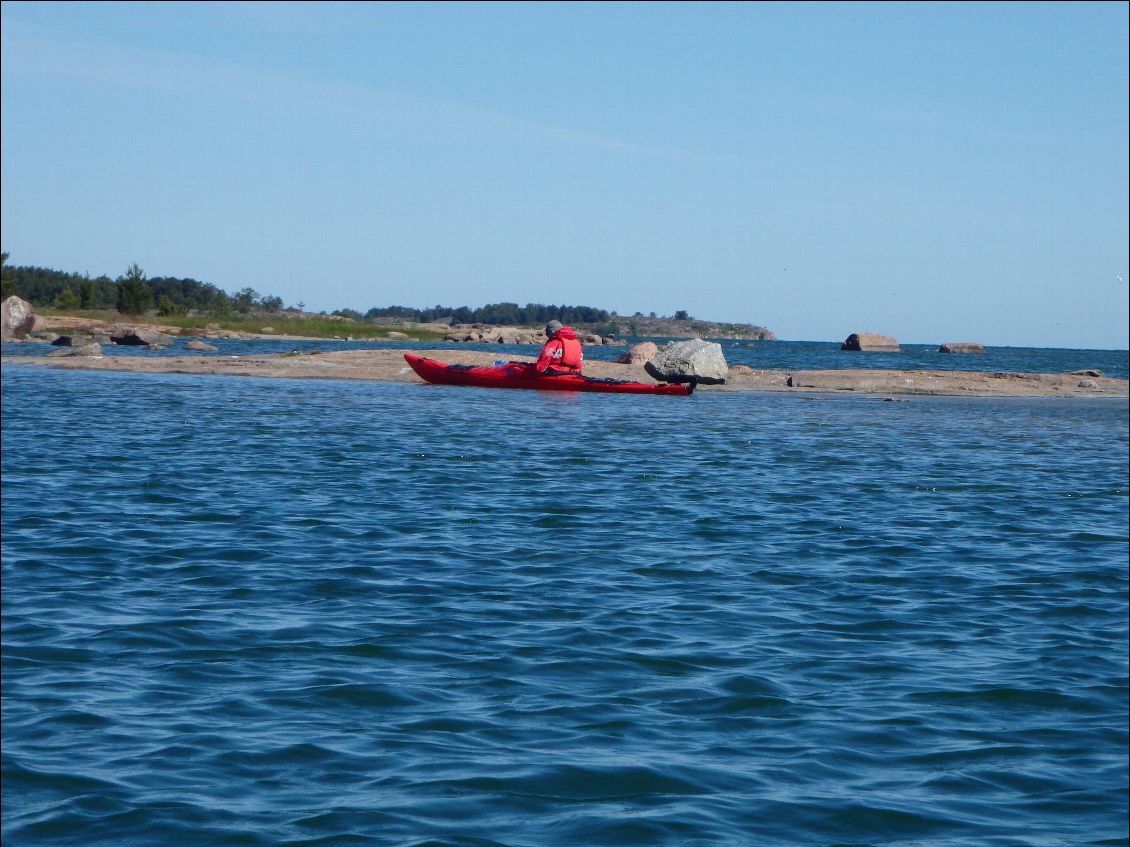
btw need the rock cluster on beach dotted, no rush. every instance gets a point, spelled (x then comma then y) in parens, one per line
(490, 334)
(124, 335)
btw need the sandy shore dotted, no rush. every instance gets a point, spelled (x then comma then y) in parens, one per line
(389, 366)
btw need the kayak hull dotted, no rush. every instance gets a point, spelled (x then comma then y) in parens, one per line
(523, 375)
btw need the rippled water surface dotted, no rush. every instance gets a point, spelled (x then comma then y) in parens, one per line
(270, 612)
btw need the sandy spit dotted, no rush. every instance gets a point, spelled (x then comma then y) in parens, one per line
(389, 366)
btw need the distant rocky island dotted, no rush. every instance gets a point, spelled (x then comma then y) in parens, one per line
(690, 328)
(614, 331)
(614, 327)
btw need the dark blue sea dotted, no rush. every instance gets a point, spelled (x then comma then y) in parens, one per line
(272, 612)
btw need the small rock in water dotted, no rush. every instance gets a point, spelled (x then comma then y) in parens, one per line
(870, 342)
(85, 350)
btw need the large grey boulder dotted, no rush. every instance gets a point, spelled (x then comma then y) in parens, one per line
(17, 319)
(961, 347)
(693, 360)
(200, 346)
(870, 342)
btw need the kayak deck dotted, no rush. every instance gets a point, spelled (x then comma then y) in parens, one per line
(523, 375)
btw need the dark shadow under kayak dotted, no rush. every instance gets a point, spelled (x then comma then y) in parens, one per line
(522, 375)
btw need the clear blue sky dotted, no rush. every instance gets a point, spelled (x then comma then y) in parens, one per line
(949, 172)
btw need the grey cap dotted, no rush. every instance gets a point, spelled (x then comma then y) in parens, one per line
(552, 327)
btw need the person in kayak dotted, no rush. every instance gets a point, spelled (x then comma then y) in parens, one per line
(561, 353)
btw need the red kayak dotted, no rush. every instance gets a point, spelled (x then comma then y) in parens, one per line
(523, 375)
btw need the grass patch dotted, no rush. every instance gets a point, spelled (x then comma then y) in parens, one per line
(312, 327)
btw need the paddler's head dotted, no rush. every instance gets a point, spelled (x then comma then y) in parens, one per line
(552, 327)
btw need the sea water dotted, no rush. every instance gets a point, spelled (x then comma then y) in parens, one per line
(271, 612)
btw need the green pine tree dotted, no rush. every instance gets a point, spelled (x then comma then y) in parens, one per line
(134, 294)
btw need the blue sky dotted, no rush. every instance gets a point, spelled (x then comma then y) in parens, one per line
(934, 172)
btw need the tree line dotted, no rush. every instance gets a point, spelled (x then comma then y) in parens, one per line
(134, 293)
(507, 314)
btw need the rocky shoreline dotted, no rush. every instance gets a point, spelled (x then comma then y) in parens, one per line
(83, 351)
(389, 366)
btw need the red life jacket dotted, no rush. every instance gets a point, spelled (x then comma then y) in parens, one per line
(561, 353)
(571, 356)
